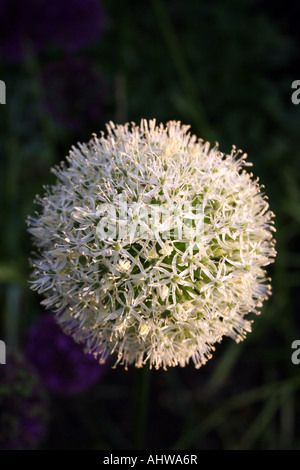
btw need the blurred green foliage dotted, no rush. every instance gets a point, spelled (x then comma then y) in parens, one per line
(225, 68)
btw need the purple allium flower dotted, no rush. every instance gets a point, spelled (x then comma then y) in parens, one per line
(60, 362)
(74, 92)
(23, 405)
(68, 25)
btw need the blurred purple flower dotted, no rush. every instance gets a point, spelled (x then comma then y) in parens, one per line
(23, 405)
(74, 92)
(60, 362)
(68, 25)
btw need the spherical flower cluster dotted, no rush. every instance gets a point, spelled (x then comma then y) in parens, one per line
(60, 363)
(23, 405)
(153, 245)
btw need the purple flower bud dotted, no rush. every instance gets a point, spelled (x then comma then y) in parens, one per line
(68, 25)
(23, 405)
(60, 362)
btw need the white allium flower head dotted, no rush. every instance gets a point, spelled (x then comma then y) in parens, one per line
(152, 245)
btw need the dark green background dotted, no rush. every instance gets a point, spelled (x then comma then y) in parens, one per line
(225, 68)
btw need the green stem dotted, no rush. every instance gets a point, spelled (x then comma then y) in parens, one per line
(12, 316)
(121, 98)
(264, 393)
(141, 405)
(177, 55)
(34, 73)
